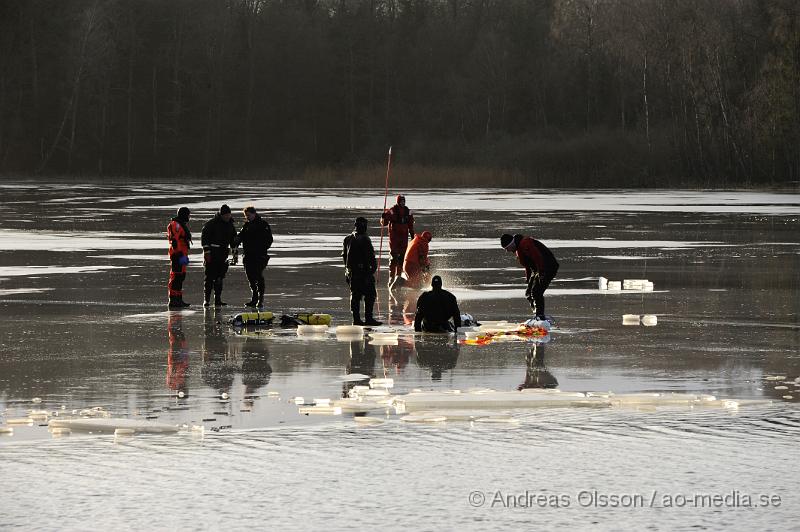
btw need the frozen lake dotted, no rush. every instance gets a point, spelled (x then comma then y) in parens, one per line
(83, 273)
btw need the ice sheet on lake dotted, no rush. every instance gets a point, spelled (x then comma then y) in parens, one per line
(22, 271)
(16, 240)
(515, 200)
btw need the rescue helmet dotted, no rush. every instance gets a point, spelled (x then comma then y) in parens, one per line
(426, 236)
(183, 214)
(224, 210)
(436, 282)
(400, 198)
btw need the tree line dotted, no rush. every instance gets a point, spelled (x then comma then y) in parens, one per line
(568, 92)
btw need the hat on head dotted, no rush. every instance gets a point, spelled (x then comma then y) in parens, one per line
(400, 198)
(224, 210)
(508, 242)
(436, 282)
(426, 236)
(183, 213)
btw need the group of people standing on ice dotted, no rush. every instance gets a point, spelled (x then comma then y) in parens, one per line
(219, 238)
(409, 266)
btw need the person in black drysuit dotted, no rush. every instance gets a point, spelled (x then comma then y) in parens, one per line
(256, 239)
(359, 272)
(436, 308)
(218, 237)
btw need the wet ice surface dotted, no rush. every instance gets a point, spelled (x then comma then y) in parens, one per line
(85, 325)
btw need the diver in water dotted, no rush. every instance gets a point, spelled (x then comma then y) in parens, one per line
(436, 308)
(540, 266)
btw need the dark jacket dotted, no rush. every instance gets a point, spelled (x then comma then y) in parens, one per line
(217, 237)
(359, 255)
(256, 239)
(434, 309)
(536, 257)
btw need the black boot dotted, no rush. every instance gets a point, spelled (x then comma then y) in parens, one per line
(183, 303)
(207, 297)
(218, 294)
(372, 322)
(253, 302)
(357, 319)
(173, 302)
(260, 302)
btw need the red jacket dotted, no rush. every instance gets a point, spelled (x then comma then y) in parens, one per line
(178, 239)
(535, 256)
(401, 226)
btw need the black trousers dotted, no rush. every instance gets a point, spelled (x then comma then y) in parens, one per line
(362, 286)
(537, 284)
(255, 276)
(215, 271)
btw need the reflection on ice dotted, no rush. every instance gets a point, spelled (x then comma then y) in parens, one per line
(21, 271)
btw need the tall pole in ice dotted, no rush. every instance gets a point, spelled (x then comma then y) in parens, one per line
(385, 195)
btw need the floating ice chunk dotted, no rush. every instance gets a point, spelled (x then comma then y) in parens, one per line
(299, 400)
(181, 394)
(6, 431)
(36, 400)
(602, 283)
(38, 415)
(649, 320)
(381, 383)
(322, 402)
(614, 285)
(352, 377)
(788, 397)
(630, 319)
(224, 396)
(198, 429)
(497, 419)
(781, 387)
(382, 341)
(124, 432)
(367, 420)
(60, 432)
(634, 284)
(423, 418)
(352, 405)
(311, 329)
(384, 335)
(112, 424)
(775, 378)
(649, 286)
(19, 421)
(376, 392)
(273, 394)
(324, 410)
(349, 330)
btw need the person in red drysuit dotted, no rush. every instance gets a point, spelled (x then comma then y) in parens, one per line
(540, 266)
(401, 225)
(416, 266)
(180, 240)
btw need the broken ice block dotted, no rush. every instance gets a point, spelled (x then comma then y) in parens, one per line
(122, 432)
(7, 430)
(602, 283)
(60, 431)
(630, 319)
(324, 410)
(20, 421)
(322, 402)
(349, 330)
(311, 329)
(367, 420)
(299, 400)
(615, 285)
(649, 320)
(648, 286)
(634, 284)
(381, 383)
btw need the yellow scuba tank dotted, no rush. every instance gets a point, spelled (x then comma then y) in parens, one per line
(314, 319)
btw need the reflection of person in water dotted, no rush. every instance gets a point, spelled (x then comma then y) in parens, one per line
(362, 360)
(177, 355)
(403, 306)
(255, 365)
(217, 372)
(437, 354)
(536, 374)
(397, 356)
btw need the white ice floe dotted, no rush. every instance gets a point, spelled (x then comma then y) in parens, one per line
(112, 424)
